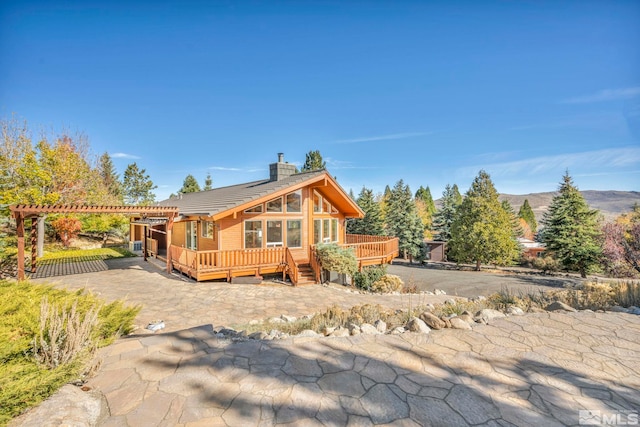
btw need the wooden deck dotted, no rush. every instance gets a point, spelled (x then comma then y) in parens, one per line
(211, 265)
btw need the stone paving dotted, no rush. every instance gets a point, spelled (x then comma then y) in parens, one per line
(538, 369)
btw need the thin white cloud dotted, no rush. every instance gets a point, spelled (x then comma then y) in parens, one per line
(614, 158)
(333, 164)
(382, 137)
(124, 156)
(227, 169)
(605, 95)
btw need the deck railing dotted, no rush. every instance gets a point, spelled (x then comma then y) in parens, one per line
(152, 246)
(365, 238)
(292, 266)
(211, 260)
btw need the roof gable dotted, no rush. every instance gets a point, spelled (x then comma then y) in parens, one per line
(224, 201)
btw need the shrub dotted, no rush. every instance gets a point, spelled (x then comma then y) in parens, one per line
(546, 264)
(67, 228)
(387, 283)
(365, 278)
(334, 258)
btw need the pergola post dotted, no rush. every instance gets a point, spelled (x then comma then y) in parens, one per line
(34, 243)
(144, 241)
(20, 234)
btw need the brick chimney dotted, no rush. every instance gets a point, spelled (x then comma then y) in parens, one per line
(281, 169)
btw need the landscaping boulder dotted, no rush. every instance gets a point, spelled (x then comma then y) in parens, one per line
(458, 323)
(515, 311)
(288, 319)
(467, 317)
(559, 306)
(417, 325)
(308, 333)
(368, 329)
(488, 314)
(340, 332)
(398, 330)
(354, 329)
(432, 320)
(619, 309)
(380, 325)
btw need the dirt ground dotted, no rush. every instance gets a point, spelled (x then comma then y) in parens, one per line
(474, 283)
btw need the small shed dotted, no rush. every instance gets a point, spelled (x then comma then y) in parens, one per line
(435, 250)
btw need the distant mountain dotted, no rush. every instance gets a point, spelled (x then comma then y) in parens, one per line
(609, 203)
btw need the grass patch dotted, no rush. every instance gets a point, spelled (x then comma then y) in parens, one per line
(23, 381)
(74, 255)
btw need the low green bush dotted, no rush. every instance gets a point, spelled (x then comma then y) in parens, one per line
(24, 381)
(387, 283)
(368, 276)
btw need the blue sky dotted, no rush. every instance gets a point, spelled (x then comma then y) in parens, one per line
(430, 92)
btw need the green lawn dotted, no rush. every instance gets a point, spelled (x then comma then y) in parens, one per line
(23, 381)
(74, 255)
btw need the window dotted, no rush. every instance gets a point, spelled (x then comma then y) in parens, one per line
(326, 230)
(274, 234)
(317, 202)
(294, 201)
(317, 231)
(206, 229)
(192, 235)
(294, 235)
(334, 230)
(255, 209)
(326, 206)
(252, 234)
(274, 205)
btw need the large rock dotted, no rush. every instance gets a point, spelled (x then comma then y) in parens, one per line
(416, 325)
(515, 311)
(398, 330)
(340, 332)
(458, 323)
(368, 329)
(467, 317)
(559, 306)
(619, 309)
(380, 325)
(308, 333)
(354, 329)
(432, 320)
(486, 315)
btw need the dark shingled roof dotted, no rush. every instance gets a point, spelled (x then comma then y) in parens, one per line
(221, 199)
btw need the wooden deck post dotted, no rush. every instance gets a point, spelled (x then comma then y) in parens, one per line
(144, 242)
(20, 234)
(169, 228)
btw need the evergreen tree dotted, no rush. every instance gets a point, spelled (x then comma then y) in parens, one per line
(482, 231)
(515, 221)
(402, 220)
(109, 176)
(372, 223)
(571, 231)
(424, 194)
(190, 185)
(456, 195)
(313, 161)
(443, 219)
(527, 214)
(208, 183)
(137, 186)
(352, 196)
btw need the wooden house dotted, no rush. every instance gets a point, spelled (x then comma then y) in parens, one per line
(260, 227)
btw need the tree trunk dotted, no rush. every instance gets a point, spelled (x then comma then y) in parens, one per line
(477, 265)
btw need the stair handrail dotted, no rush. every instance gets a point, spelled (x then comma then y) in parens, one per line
(292, 267)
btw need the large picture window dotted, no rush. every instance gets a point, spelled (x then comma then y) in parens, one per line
(317, 202)
(294, 202)
(274, 234)
(252, 234)
(334, 230)
(294, 235)
(326, 230)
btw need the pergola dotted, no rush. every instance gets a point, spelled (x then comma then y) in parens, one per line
(32, 212)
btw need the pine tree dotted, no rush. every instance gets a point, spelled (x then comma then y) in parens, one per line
(402, 220)
(190, 185)
(313, 161)
(443, 219)
(482, 231)
(571, 231)
(527, 214)
(137, 186)
(426, 209)
(515, 221)
(372, 223)
(424, 194)
(208, 183)
(456, 194)
(109, 176)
